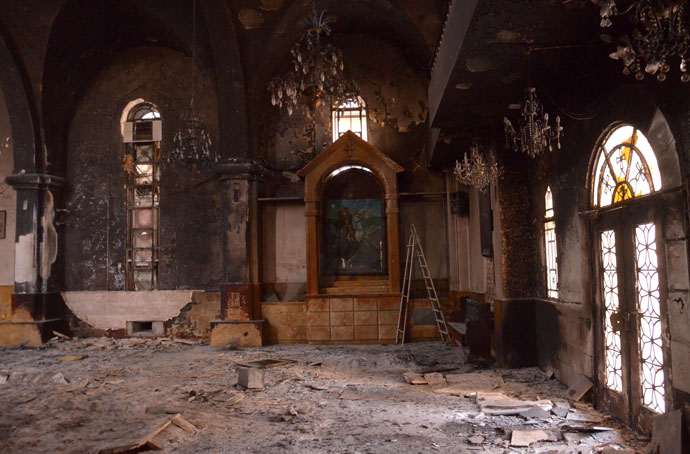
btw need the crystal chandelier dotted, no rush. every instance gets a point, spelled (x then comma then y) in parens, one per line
(660, 33)
(534, 134)
(475, 171)
(191, 143)
(317, 73)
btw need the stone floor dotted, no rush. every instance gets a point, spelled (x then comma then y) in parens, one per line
(336, 399)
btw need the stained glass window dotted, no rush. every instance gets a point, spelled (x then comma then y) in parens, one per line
(650, 330)
(350, 116)
(550, 246)
(613, 352)
(625, 168)
(143, 202)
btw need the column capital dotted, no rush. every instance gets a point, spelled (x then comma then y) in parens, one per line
(35, 181)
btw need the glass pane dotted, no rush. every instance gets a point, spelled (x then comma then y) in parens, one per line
(142, 238)
(551, 259)
(143, 280)
(142, 258)
(144, 153)
(144, 173)
(626, 168)
(613, 351)
(143, 218)
(648, 306)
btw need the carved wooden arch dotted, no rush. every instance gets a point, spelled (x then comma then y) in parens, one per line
(350, 150)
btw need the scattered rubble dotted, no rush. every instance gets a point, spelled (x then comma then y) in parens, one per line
(319, 399)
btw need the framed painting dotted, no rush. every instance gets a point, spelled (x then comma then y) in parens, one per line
(354, 241)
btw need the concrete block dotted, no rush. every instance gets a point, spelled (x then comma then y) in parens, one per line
(680, 356)
(238, 334)
(250, 378)
(342, 333)
(388, 317)
(318, 319)
(341, 304)
(366, 332)
(389, 303)
(26, 334)
(317, 305)
(387, 332)
(318, 333)
(286, 322)
(365, 304)
(366, 318)
(342, 319)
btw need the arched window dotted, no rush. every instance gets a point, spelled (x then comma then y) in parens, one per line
(350, 116)
(550, 246)
(353, 223)
(142, 138)
(625, 168)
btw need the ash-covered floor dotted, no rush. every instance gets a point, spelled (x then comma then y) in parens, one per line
(331, 399)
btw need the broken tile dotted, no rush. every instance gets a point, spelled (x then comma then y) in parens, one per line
(536, 412)
(476, 440)
(579, 388)
(523, 438)
(414, 378)
(435, 379)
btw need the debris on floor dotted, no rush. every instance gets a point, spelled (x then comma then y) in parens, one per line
(322, 399)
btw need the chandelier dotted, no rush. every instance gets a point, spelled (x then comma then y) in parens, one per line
(660, 33)
(317, 71)
(192, 143)
(476, 171)
(534, 134)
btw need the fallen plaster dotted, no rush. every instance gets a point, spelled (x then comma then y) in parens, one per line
(112, 310)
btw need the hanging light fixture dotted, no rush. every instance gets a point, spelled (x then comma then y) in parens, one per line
(660, 33)
(534, 134)
(317, 73)
(476, 171)
(192, 143)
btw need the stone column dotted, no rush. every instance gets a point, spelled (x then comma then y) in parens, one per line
(36, 278)
(240, 290)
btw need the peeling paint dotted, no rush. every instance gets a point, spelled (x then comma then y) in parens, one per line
(50, 238)
(25, 262)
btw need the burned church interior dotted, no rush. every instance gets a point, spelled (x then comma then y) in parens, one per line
(329, 226)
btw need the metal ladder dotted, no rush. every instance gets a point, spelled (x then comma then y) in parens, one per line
(414, 248)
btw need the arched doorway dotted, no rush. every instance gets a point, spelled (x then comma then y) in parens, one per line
(632, 352)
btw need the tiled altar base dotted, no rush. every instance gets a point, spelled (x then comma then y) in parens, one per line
(352, 319)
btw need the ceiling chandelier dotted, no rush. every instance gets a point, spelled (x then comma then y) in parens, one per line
(534, 134)
(476, 171)
(660, 33)
(317, 73)
(192, 143)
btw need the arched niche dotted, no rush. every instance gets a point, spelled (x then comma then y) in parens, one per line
(366, 167)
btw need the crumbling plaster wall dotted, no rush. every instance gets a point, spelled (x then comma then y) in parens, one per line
(8, 198)
(8, 209)
(396, 100)
(95, 234)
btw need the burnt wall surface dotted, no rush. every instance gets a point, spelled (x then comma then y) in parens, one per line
(569, 329)
(396, 101)
(95, 234)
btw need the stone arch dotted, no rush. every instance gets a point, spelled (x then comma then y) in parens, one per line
(21, 106)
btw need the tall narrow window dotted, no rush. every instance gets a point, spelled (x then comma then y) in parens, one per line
(142, 136)
(350, 116)
(613, 346)
(550, 246)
